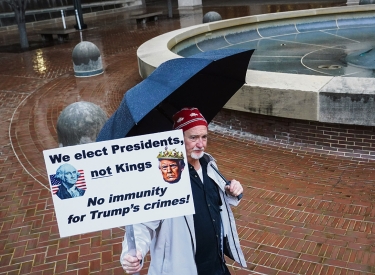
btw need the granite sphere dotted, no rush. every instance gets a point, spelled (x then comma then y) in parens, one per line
(211, 16)
(80, 123)
(87, 60)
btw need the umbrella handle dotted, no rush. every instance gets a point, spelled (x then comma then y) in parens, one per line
(132, 250)
(226, 181)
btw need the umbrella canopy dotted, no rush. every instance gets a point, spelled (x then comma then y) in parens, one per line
(205, 81)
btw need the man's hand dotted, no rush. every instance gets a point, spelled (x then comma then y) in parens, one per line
(132, 264)
(234, 189)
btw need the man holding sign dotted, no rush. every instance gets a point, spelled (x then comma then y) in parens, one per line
(193, 244)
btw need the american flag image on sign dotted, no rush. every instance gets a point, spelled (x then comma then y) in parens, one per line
(81, 182)
(55, 183)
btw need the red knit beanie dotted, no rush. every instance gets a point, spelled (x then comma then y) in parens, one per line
(188, 118)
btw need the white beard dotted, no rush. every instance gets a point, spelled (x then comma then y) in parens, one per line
(197, 155)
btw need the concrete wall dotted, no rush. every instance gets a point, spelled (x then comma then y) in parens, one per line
(348, 100)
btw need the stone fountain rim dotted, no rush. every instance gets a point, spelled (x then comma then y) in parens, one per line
(309, 92)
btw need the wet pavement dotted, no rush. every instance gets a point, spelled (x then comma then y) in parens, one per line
(302, 213)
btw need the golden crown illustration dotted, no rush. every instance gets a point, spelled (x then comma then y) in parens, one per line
(170, 154)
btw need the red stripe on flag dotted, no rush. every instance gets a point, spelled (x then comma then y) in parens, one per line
(55, 188)
(81, 183)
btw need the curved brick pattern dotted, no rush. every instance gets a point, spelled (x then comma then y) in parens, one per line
(351, 141)
(302, 213)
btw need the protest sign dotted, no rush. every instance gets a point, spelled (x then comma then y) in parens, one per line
(119, 182)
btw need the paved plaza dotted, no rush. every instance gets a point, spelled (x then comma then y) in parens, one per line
(302, 212)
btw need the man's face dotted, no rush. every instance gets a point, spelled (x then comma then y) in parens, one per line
(195, 142)
(70, 176)
(171, 170)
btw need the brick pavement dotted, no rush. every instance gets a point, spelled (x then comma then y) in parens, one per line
(302, 213)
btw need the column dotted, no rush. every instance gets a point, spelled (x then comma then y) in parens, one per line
(183, 4)
(190, 16)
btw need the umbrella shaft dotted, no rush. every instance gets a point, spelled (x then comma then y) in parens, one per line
(226, 181)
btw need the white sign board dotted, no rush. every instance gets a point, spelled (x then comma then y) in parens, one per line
(119, 182)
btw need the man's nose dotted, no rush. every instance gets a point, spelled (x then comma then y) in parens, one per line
(199, 142)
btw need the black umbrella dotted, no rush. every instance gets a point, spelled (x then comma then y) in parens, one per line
(205, 81)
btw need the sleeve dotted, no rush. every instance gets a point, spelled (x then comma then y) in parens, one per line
(143, 235)
(232, 200)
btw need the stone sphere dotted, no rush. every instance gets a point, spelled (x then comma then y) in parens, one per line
(211, 16)
(80, 123)
(87, 60)
(365, 2)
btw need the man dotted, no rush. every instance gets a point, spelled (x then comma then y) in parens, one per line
(68, 176)
(171, 165)
(194, 244)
